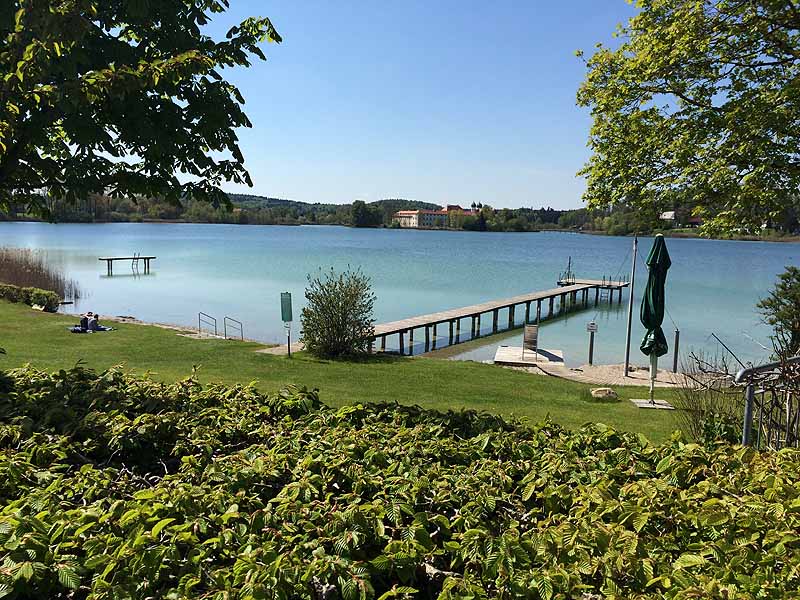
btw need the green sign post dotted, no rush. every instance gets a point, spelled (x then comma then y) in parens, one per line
(286, 316)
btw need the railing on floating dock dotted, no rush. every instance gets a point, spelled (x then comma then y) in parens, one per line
(134, 262)
(567, 293)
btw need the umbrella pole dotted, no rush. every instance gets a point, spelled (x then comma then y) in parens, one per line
(653, 370)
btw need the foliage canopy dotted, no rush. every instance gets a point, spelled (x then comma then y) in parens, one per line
(116, 487)
(699, 104)
(120, 98)
(781, 310)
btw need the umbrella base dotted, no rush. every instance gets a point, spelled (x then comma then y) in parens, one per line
(657, 404)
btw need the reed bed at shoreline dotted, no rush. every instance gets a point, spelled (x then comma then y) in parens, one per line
(24, 267)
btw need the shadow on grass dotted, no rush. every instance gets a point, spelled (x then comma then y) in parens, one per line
(383, 358)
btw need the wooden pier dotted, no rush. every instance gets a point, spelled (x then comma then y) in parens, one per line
(134, 259)
(570, 295)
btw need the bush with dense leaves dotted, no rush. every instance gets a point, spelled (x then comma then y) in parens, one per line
(30, 296)
(119, 487)
(337, 320)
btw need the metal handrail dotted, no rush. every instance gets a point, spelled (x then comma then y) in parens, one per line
(232, 320)
(753, 370)
(208, 320)
(745, 375)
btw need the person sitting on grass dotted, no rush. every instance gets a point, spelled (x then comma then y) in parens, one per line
(84, 324)
(94, 323)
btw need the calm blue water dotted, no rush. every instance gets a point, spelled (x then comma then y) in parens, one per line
(240, 271)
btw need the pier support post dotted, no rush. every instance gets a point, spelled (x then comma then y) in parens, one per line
(433, 341)
(427, 338)
(596, 296)
(527, 312)
(450, 336)
(550, 313)
(538, 311)
(563, 304)
(511, 311)
(383, 343)
(400, 334)
(677, 344)
(619, 299)
(494, 320)
(411, 341)
(458, 330)
(472, 329)
(478, 326)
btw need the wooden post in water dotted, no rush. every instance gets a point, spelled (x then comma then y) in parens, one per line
(538, 311)
(458, 330)
(434, 336)
(400, 336)
(478, 327)
(596, 295)
(427, 338)
(550, 313)
(411, 341)
(450, 334)
(527, 312)
(675, 357)
(494, 320)
(511, 310)
(383, 343)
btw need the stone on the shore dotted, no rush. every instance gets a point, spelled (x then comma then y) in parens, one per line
(604, 393)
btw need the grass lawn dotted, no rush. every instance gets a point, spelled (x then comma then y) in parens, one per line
(43, 340)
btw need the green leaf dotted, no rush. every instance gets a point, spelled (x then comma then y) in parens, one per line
(160, 525)
(688, 560)
(68, 577)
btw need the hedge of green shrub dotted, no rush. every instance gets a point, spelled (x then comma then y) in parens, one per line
(113, 487)
(30, 296)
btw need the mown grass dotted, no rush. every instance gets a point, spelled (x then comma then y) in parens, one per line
(43, 340)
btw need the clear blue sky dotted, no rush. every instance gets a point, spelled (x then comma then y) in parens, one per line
(445, 102)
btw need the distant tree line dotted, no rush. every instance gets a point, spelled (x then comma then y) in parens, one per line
(260, 210)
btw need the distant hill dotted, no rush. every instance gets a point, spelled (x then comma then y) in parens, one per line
(392, 205)
(386, 205)
(251, 201)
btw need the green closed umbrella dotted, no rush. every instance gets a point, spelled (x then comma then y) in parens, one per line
(654, 343)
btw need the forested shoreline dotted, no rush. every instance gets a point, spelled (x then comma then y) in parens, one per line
(261, 210)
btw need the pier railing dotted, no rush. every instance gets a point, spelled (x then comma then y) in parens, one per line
(772, 404)
(234, 325)
(207, 320)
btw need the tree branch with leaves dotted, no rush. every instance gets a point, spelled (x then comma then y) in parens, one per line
(698, 104)
(121, 98)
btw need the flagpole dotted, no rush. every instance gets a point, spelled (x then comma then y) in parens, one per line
(630, 308)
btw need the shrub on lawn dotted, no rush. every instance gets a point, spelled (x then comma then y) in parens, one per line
(337, 320)
(118, 487)
(30, 296)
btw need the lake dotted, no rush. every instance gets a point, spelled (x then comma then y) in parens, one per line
(240, 271)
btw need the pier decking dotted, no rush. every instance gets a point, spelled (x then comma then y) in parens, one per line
(567, 293)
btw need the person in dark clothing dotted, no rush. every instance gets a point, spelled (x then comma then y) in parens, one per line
(84, 324)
